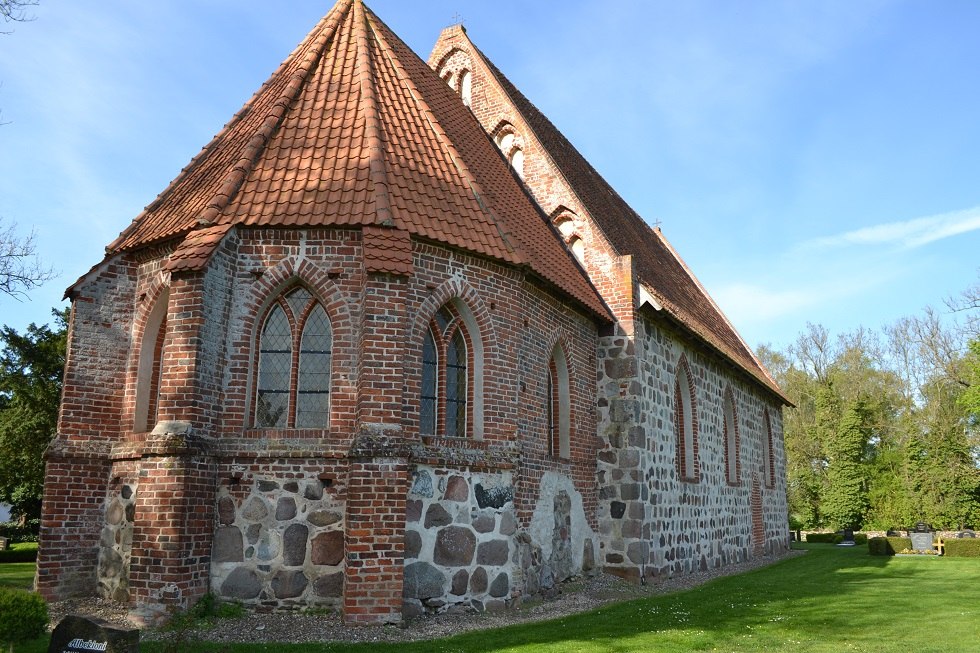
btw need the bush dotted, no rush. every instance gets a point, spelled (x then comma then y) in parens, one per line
(23, 616)
(962, 548)
(824, 538)
(888, 546)
(26, 552)
(17, 533)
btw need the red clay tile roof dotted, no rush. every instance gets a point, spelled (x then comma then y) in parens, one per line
(353, 129)
(196, 248)
(659, 267)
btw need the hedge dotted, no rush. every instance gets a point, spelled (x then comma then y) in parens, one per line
(20, 554)
(888, 546)
(962, 548)
(835, 538)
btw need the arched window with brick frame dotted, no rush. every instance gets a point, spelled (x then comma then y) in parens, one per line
(465, 86)
(294, 362)
(685, 424)
(511, 146)
(448, 387)
(731, 435)
(150, 366)
(558, 408)
(768, 461)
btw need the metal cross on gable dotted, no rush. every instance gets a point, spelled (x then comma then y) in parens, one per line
(457, 19)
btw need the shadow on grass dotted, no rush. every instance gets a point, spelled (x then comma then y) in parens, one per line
(829, 593)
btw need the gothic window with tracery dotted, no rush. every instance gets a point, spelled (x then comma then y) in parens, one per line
(295, 351)
(446, 376)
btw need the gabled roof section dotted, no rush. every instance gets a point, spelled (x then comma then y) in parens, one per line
(354, 130)
(658, 266)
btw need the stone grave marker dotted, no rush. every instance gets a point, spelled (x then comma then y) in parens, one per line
(966, 533)
(76, 634)
(3, 543)
(921, 537)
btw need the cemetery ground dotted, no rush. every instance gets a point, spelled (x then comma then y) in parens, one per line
(832, 599)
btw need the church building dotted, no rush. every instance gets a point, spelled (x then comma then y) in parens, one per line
(390, 345)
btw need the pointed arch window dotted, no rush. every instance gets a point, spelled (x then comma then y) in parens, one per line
(510, 146)
(559, 406)
(150, 367)
(685, 424)
(731, 439)
(465, 86)
(447, 376)
(768, 466)
(294, 362)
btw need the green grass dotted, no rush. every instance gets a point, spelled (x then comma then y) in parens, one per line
(831, 600)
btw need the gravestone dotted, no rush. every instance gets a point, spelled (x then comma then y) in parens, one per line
(921, 537)
(75, 634)
(848, 535)
(966, 533)
(3, 543)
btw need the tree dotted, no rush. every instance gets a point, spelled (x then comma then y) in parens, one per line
(31, 370)
(20, 268)
(845, 498)
(15, 10)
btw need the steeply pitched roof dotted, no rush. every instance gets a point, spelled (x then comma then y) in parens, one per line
(660, 268)
(353, 129)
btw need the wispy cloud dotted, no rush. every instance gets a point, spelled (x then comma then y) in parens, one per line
(905, 235)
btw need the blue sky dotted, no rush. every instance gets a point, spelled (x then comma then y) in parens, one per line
(811, 161)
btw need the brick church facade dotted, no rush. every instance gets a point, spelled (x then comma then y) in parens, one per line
(390, 345)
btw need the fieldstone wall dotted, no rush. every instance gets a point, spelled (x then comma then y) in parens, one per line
(459, 546)
(652, 521)
(116, 543)
(279, 541)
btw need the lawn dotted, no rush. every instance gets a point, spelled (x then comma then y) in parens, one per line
(19, 575)
(833, 599)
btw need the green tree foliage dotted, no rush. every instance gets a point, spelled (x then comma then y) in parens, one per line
(844, 500)
(885, 430)
(31, 369)
(23, 616)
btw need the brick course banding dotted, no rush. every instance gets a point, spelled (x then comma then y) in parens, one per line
(165, 482)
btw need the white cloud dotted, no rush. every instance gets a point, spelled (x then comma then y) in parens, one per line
(908, 234)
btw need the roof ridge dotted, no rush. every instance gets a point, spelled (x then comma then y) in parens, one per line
(368, 102)
(502, 79)
(280, 107)
(208, 215)
(454, 154)
(697, 282)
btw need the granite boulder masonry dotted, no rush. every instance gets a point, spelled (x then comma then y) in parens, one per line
(388, 346)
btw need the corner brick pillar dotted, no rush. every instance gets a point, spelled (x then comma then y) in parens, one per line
(171, 553)
(624, 523)
(71, 520)
(377, 489)
(377, 485)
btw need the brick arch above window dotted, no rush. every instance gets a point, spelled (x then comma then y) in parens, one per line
(558, 403)
(151, 325)
(511, 145)
(732, 437)
(455, 68)
(768, 457)
(293, 367)
(264, 291)
(465, 303)
(686, 422)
